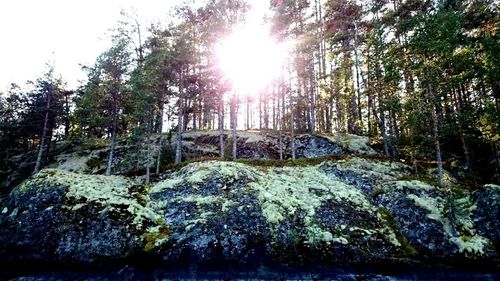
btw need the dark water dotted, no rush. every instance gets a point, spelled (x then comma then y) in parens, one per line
(180, 272)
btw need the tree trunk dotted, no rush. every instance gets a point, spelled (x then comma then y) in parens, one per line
(234, 115)
(358, 86)
(113, 135)
(280, 117)
(221, 127)
(41, 149)
(180, 125)
(67, 122)
(292, 129)
(148, 159)
(160, 131)
(312, 98)
(435, 133)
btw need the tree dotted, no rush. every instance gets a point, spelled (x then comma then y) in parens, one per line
(50, 90)
(113, 65)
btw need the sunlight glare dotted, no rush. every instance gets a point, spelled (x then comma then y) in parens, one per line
(251, 59)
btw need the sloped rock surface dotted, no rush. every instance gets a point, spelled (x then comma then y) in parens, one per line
(62, 216)
(352, 210)
(487, 214)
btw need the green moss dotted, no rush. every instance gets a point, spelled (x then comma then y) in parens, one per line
(72, 162)
(273, 213)
(434, 206)
(305, 188)
(227, 205)
(285, 191)
(356, 144)
(196, 173)
(474, 245)
(413, 185)
(391, 223)
(197, 199)
(112, 192)
(155, 237)
(201, 218)
(406, 186)
(458, 207)
(317, 236)
(448, 179)
(372, 168)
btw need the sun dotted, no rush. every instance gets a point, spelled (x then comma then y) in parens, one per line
(250, 58)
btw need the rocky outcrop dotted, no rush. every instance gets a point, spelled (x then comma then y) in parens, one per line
(90, 156)
(130, 156)
(63, 216)
(486, 214)
(257, 145)
(354, 210)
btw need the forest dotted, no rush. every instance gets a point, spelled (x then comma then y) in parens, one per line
(421, 78)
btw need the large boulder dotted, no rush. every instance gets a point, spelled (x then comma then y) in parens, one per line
(486, 215)
(351, 210)
(62, 216)
(232, 211)
(260, 145)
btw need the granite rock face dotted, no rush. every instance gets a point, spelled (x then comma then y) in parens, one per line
(487, 214)
(63, 216)
(351, 210)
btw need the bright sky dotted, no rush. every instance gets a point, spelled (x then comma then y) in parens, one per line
(67, 33)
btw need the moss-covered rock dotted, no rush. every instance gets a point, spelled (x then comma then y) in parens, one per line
(486, 214)
(350, 210)
(326, 211)
(63, 216)
(436, 222)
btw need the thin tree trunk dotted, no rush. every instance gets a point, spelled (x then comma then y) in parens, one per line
(266, 113)
(435, 133)
(113, 136)
(158, 153)
(356, 65)
(312, 98)
(194, 113)
(148, 159)
(38, 163)
(67, 121)
(234, 114)
(274, 107)
(160, 131)
(382, 126)
(280, 116)
(460, 131)
(248, 113)
(438, 147)
(292, 129)
(221, 127)
(180, 125)
(260, 111)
